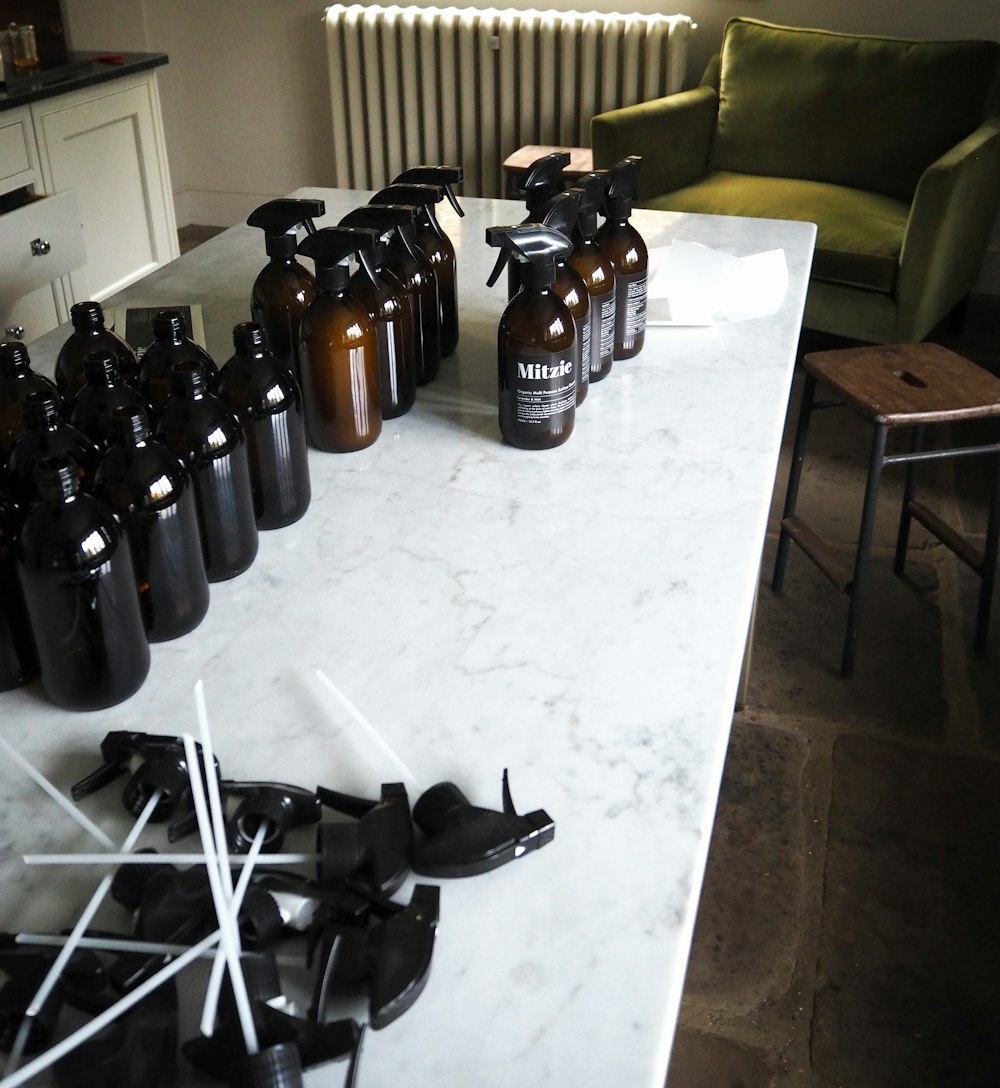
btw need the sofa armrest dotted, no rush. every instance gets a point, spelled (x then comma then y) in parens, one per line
(673, 135)
(951, 217)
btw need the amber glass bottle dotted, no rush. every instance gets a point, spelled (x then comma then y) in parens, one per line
(338, 349)
(77, 577)
(102, 392)
(283, 288)
(171, 345)
(204, 433)
(266, 399)
(625, 248)
(47, 434)
(151, 492)
(599, 276)
(17, 380)
(18, 661)
(414, 270)
(89, 334)
(535, 358)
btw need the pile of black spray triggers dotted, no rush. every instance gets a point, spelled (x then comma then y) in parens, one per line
(358, 941)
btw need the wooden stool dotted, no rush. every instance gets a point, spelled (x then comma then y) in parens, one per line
(907, 385)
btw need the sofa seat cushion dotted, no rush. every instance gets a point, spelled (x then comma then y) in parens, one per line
(859, 234)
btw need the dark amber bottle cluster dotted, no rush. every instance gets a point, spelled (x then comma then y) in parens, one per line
(366, 335)
(123, 500)
(599, 273)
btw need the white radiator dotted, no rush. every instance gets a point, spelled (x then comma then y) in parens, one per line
(468, 86)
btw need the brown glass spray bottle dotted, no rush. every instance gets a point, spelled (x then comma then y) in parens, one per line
(624, 246)
(283, 288)
(598, 274)
(536, 364)
(338, 348)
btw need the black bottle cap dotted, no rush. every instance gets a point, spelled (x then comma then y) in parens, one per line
(622, 183)
(278, 220)
(445, 176)
(418, 195)
(592, 187)
(86, 316)
(542, 179)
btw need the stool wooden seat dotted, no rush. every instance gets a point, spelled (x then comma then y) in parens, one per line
(903, 385)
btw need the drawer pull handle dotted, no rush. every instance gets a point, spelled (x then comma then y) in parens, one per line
(39, 247)
(15, 332)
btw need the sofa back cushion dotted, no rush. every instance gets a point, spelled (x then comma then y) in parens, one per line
(855, 110)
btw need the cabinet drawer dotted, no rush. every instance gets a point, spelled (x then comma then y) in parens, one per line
(49, 224)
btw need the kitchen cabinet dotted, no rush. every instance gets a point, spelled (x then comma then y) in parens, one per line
(86, 197)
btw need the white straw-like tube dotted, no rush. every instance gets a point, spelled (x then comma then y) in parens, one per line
(114, 944)
(133, 997)
(63, 802)
(159, 859)
(230, 935)
(90, 910)
(215, 978)
(214, 797)
(370, 731)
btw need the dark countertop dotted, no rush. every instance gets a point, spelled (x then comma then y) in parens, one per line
(81, 70)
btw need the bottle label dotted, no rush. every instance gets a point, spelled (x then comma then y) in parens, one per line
(631, 291)
(583, 341)
(607, 341)
(543, 389)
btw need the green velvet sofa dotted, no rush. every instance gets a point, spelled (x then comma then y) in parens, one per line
(891, 147)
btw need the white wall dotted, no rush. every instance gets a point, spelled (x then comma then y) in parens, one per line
(246, 95)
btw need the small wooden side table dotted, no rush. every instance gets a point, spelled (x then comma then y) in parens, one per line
(581, 161)
(906, 385)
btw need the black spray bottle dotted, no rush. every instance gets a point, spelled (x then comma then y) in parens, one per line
(561, 212)
(416, 269)
(284, 287)
(391, 308)
(338, 347)
(623, 245)
(535, 342)
(431, 238)
(598, 274)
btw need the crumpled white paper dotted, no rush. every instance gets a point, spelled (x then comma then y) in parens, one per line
(692, 284)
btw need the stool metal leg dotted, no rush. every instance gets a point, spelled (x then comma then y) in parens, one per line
(988, 572)
(903, 537)
(864, 547)
(794, 476)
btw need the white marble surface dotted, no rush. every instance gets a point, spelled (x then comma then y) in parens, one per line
(577, 615)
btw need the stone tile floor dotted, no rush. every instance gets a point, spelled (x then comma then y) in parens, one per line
(848, 934)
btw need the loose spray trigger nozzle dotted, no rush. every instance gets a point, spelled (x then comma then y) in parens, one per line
(158, 763)
(281, 806)
(463, 840)
(535, 245)
(278, 220)
(374, 849)
(445, 176)
(621, 187)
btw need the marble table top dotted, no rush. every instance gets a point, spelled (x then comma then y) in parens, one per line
(577, 615)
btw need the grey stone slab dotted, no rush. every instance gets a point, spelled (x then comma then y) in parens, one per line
(909, 989)
(701, 1060)
(898, 684)
(747, 935)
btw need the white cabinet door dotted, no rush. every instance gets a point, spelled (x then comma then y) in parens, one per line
(106, 143)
